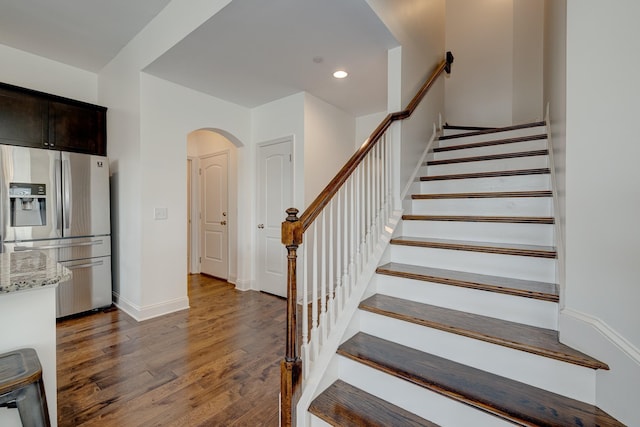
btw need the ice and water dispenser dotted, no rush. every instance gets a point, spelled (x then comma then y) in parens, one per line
(28, 204)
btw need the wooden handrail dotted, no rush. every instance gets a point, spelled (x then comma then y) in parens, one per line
(294, 227)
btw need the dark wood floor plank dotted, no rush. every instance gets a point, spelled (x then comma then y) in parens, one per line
(487, 157)
(213, 364)
(483, 195)
(543, 342)
(471, 246)
(490, 174)
(508, 399)
(506, 285)
(470, 218)
(342, 404)
(495, 130)
(491, 143)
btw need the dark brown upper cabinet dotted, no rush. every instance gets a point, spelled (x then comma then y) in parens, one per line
(35, 119)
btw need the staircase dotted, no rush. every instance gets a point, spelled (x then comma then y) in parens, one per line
(460, 327)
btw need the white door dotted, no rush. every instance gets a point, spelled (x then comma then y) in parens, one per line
(274, 197)
(214, 247)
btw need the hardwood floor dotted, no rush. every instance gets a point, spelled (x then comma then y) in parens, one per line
(216, 364)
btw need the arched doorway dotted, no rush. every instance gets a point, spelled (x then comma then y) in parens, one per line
(212, 185)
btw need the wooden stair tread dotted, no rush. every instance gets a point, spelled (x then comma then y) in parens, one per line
(471, 218)
(505, 285)
(491, 143)
(472, 246)
(495, 130)
(532, 153)
(342, 404)
(543, 342)
(508, 399)
(483, 195)
(494, 174)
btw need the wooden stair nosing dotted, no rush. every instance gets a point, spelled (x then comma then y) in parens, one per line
(483, 195)
(482, 282)
(492, 219)
(531, 339)
(494, 174)
(511, 400)
(342, 404)
(457, 127)
(501, 156)
(484, 247)
(495, 130)
(490, 143)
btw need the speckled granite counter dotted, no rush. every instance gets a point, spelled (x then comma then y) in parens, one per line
(29, 270)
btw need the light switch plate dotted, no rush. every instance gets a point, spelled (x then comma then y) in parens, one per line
(160, 213)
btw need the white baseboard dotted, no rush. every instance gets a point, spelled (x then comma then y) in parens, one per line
(616, 389)
(244, 285)
(140, 313)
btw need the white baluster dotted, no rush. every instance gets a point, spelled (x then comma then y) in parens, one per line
(305, 311)
(323, 279)
(331, 283)
(314, 295)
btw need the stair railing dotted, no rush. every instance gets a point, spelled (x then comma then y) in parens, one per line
(341, 229)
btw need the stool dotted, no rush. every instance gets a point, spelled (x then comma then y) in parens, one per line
(21, 387)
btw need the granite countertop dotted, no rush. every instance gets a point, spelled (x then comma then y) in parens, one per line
(21, 271)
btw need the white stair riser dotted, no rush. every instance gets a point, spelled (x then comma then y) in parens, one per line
(317, 422)
(502, 183)
(538, 144)
(529, 311)
(553, 375)
(530, 162)
(499, 206)
(540, 130)
(527, 234)
(519, 267)
(425, 403)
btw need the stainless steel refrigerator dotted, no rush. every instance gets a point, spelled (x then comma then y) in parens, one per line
(58, 202)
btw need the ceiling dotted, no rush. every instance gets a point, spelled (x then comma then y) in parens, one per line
(250, 53)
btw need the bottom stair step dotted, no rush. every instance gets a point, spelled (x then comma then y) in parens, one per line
(342, 404)
(510, 400)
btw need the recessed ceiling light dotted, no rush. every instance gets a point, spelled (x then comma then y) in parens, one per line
(340, 74)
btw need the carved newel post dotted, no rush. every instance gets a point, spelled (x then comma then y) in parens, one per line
(291, 366)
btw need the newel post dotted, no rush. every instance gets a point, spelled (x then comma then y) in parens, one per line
(291, 366)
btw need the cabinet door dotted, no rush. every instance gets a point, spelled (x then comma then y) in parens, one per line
(77, 128)
(23, 119)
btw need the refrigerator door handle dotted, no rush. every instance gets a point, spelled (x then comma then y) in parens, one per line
(66, 170)
(87, 265)
(58, 185)
(70, 245)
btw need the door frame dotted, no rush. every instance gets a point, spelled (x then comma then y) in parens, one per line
(288, 138)
(194, 201)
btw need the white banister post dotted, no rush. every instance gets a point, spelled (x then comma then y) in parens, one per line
(394, 137)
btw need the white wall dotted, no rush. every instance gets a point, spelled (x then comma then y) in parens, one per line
(528, 44)
(34, 72)
(279, 119)
(365, 125)
(555, 90)
(328, 136)
(480, 35)
(419, 27)
(170, 112)
(602, 203)
(497, 78)
(119, 89)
